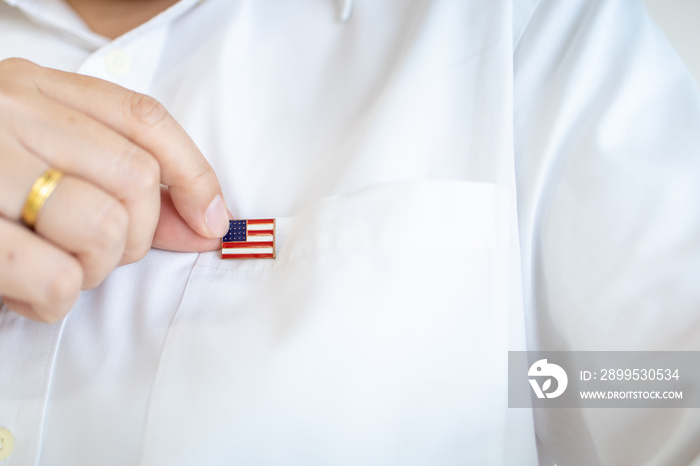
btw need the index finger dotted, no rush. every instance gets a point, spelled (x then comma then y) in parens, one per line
(191, 181)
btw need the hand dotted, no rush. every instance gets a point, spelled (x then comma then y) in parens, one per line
(116, 148)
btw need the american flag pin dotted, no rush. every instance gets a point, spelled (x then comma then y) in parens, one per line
(249, 239)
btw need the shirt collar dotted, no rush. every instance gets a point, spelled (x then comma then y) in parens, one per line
(59, 15)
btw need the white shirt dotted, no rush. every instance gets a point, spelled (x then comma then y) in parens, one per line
(451, 179)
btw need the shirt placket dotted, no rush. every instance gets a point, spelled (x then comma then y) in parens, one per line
(130, 61)
(27, 352)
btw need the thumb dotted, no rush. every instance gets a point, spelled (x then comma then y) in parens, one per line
(174, 234)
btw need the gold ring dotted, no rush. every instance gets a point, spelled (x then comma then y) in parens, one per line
(40, 192)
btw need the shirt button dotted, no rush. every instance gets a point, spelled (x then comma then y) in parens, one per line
(117, 62)
(7, 443)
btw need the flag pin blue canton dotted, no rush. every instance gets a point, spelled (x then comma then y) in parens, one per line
(249, 239)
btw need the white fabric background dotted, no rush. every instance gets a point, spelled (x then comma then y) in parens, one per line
(679, 21)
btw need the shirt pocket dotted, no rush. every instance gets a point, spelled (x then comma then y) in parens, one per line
(376, 317)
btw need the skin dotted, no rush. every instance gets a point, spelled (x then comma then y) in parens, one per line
(112, 18)
(133, 179)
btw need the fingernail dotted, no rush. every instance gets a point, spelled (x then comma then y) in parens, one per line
(216, 217)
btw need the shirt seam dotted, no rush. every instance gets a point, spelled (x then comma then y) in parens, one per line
(526, 25)
(149, 411)
(49, 369)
